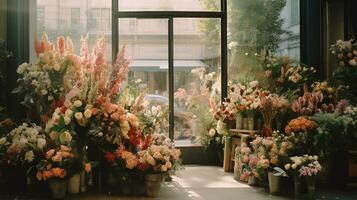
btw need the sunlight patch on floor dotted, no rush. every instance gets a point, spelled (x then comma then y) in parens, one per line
(206, 177)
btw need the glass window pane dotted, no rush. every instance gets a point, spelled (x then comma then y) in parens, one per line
(146, 42)
(253, 35)
(169, 5)
(196, 70)
(75, 19)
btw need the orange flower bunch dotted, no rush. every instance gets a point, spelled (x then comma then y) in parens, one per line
(50, 172)
(300, 124)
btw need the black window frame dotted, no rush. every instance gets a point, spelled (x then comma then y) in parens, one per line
(171, 15)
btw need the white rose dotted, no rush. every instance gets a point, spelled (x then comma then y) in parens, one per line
(68, 113)
(287, 166)
(298, 161)
(88, 113)
(44, 92)
(67, 136)
(50, 98)
(2, 140)
(311, 157)
(293, 166)
(163, 168)
(352, 62)
(77, 103)
(316, 157)
(41, 143)
(67, 120)
(29, 156)
(212, 132)
(23, 141)
(56, 67)
(253, 83)
(78, 115)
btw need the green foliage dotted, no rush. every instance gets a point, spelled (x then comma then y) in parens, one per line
(347, 77)
(334, 132)
(259, 17)
(254, 27)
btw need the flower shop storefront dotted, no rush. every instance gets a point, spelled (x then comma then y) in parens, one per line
(117, 98)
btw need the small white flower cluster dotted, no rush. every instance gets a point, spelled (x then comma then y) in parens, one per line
(25, 139)
(35, 77)
(244, 96)
(306, 165)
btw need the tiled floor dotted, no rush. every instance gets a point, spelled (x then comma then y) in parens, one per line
(210, 183)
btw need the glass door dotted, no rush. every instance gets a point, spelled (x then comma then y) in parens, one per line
(172, 57)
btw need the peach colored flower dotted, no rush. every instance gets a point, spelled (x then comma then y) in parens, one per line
(39, 176)
(57, 171)
(132, 162)
(87, 167)
(115, 116)
(65, 148)
(57, 157)
(50, 153)
(60, 44)
(47, 175)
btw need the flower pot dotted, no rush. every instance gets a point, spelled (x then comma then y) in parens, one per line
(237, 169)
(274, 183)
(74, 184)
(297, 186)
(153, 184)
(137, 183)
(58, 188)
(311, 182)
(239, 121)
(125, 189)
(252, 180)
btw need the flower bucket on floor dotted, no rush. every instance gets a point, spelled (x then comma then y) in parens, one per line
(311, 182)
(297, 186)
(153, 184)
(252, 180)
(274, 183)
(58, 188)
(74, 184)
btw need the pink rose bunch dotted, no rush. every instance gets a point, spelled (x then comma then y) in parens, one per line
(345, 52)
(310, 103)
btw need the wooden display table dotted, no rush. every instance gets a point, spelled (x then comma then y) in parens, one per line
(230, 144)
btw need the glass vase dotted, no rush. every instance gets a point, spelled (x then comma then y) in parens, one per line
(239, 121)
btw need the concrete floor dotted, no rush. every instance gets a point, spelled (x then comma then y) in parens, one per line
(209, 183)
(199, 183)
